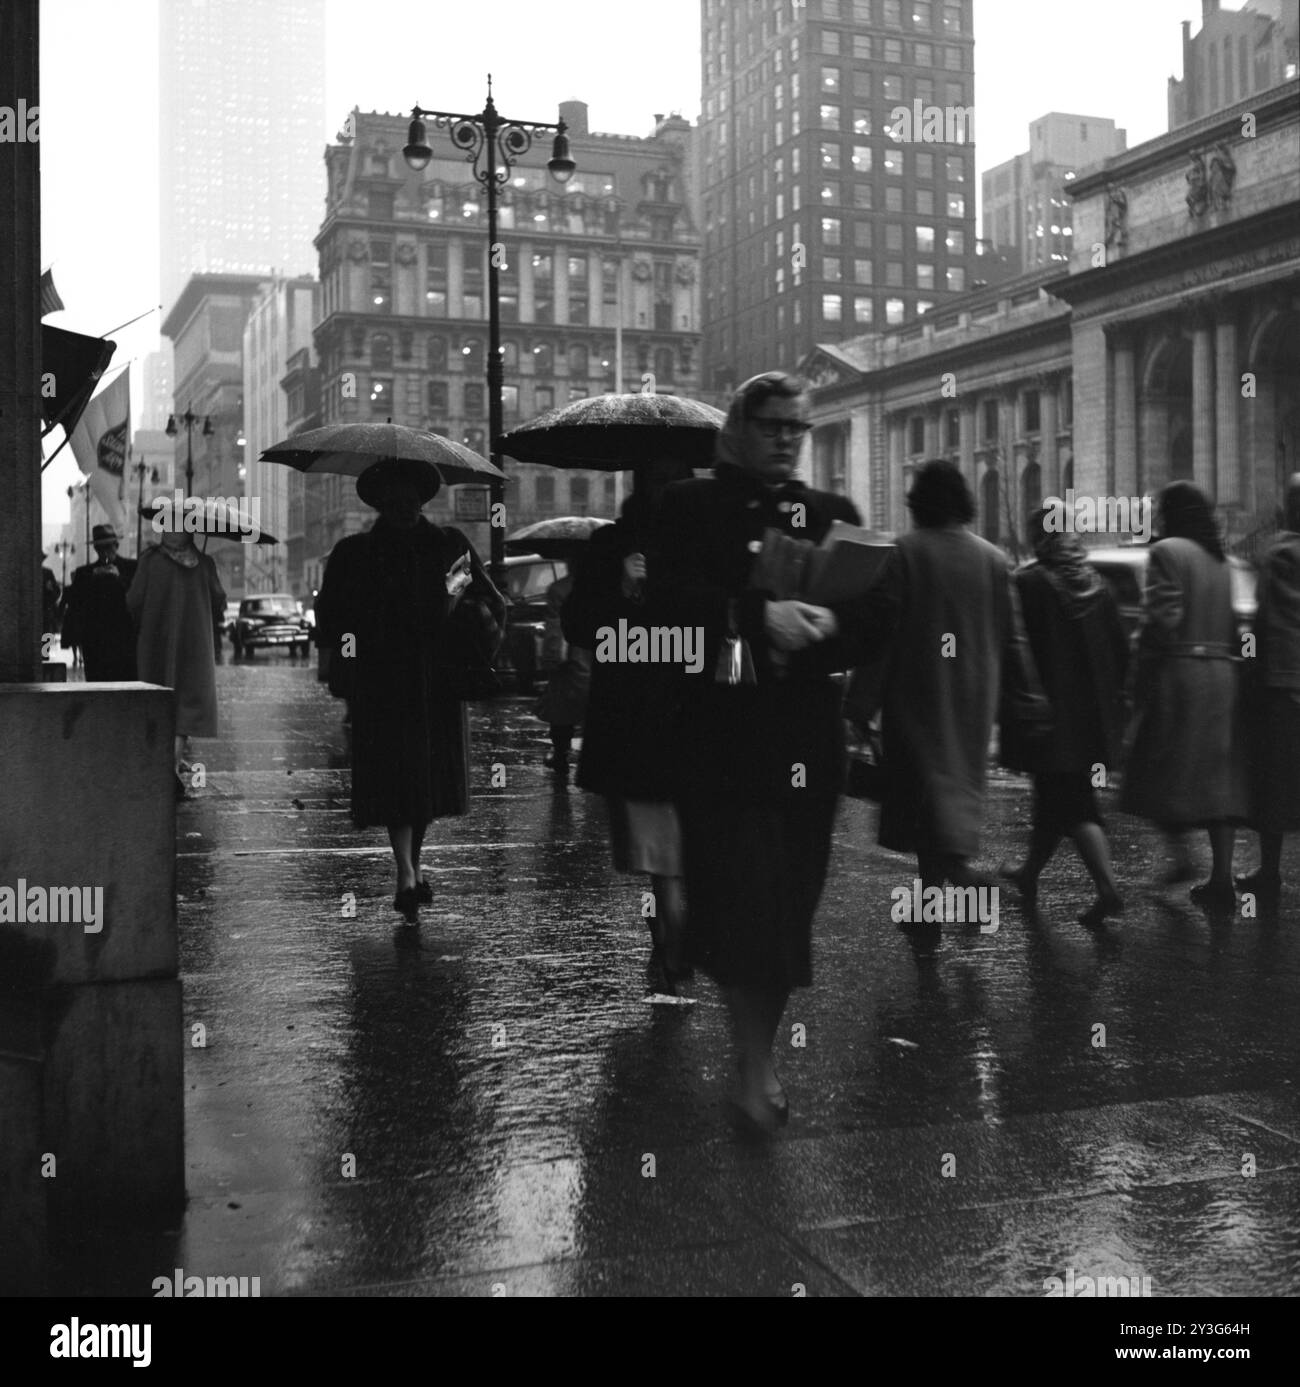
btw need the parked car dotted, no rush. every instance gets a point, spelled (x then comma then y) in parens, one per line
(528, 576)
(271, 619)
(229, 618)
(1124, 567)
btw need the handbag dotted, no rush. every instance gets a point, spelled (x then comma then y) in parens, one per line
(735, 662)
(467, 646)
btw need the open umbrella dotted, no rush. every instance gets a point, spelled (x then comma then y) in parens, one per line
(348, 449)
(206, 516)
(556, 538)
(612, 433)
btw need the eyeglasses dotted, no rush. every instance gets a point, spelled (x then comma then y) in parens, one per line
(774, 428)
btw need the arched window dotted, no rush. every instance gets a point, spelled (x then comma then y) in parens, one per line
(989, 498)
(381, 352)
(579, 362)
(663, 363)
(543, 359)
(471, 351)
(437, 353)
(510, 356)
(1031, 495)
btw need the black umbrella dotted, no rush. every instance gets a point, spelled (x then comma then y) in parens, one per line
(206, 516)
(612, 433)
(348, 449)
(557, 538)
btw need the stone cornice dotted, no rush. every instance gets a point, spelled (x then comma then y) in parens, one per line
(1207, 257)
(1277, 107)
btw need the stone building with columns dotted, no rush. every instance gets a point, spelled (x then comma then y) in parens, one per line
(1184, 290)
(1170, 349)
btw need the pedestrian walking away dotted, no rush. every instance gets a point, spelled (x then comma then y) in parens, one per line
(173, 600)
(627, 741)
(95, 616)
(1274, 701)
(1081, 655)
(404, 602)
(760, 736)
(1187, 766)
(945, 609)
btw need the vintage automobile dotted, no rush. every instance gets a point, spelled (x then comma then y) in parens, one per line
(270, 619)
(528, 578)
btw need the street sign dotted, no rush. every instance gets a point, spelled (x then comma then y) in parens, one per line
(470, 502)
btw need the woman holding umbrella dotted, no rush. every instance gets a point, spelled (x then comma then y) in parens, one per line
(410, 603)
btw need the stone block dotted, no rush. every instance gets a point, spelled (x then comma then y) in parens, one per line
(114, 1103)
(87, 801)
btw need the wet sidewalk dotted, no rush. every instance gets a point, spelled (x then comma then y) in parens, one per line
(495, 1108)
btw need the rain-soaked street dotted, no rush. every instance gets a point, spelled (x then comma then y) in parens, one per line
(497, 1108)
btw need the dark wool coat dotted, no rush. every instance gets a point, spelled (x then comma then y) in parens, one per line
(627, 732)
(1275, 703)
(96, 621)
(1081, 660)
(942, 695)
(1188, 762)
(386, 588)
(759, 767)
(746, 739)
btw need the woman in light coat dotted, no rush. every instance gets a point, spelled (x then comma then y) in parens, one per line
(1187, 766)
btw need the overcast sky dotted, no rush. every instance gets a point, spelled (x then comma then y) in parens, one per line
(99, 102)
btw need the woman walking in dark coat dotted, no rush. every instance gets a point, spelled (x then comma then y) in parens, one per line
(404, 600)
(762, 763)
(1081, 654)
(626, 742)
(1187, 765)
(1276, 700)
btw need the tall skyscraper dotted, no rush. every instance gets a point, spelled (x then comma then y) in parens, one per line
(1028, 214)
(242, 119)
(837, 171)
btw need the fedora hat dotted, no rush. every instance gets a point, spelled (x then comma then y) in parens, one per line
(422, 475)
(104, 534)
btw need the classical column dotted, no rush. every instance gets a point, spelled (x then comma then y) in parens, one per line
(932, 425)
(560, 284)
(894, 479)
(455, 277)
(1203, 405)
(1049, 457)
(1125, 477)
(1227, 394)
(966, 441)
(526, 301)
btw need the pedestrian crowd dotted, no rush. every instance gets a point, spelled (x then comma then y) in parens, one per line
(722, 786)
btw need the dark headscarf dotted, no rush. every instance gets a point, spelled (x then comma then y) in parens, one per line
(1064, 562)
(1187, 514)
(729, 451)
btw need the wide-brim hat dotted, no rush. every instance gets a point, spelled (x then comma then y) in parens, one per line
(423, 475)
(104, 534)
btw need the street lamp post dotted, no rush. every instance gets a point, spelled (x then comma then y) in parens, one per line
(487, 138)
(189, 419)
(140, 469)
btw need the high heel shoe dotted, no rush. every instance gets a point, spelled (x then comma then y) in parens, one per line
(407, 904)
(424, 892)
(1104, 906)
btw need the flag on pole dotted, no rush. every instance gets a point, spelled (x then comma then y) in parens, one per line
(100, 443)
(50, 300)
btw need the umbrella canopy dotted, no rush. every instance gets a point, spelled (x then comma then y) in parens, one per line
(206, 515)
(348, 449)
(611, 433)
(556, 538)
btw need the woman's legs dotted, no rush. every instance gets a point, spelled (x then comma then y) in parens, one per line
(755, 1014)
(1222, 839)
(401, 836)
(669, 925)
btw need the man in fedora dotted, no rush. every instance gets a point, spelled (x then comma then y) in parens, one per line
(95, 616)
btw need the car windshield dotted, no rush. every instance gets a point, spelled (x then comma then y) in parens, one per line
(271, 606)
(527, 581)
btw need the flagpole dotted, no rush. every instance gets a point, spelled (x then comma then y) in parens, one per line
(156, 309)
